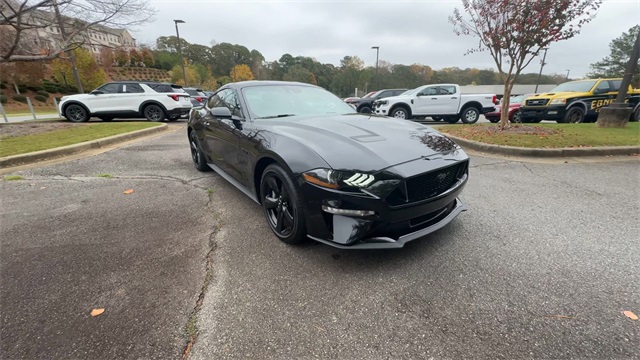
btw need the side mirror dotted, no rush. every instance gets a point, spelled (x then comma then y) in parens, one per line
(221, 112)
(96, 92)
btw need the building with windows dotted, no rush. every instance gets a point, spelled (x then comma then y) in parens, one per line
(44, 33)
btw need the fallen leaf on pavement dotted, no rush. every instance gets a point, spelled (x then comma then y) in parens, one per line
(127, 192)
(96, 312)
(560, 316)
(42, 188)
(630, 315)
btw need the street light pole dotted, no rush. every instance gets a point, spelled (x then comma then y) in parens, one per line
(184, 71)
(568, 70)
(542, 64)
(377, 55)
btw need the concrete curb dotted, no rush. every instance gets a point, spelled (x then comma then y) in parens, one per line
(36, 156)
(539, 152)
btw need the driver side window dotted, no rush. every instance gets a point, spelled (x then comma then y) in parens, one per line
(429, 91)
(111, 88)
(603, 87)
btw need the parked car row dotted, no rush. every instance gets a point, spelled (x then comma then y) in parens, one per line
(155, 101)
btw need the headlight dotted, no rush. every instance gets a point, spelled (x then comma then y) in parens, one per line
(336, 179)
(558, 101)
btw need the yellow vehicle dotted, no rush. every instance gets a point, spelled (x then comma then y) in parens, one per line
(577, 101)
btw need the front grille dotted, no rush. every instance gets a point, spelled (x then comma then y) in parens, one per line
(434, 183)
(537, 102)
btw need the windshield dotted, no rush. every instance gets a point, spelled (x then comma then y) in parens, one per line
(292, 100)
(574, 86)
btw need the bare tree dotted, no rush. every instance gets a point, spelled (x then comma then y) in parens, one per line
(516, 31)
(20, 20)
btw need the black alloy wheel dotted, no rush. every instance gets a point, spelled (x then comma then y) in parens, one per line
(154, 113)
(76, 113)
(574, 115)
(196, 154)
(282, 205)
(470, 115)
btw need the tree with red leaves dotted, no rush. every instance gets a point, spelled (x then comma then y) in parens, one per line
(516, 31)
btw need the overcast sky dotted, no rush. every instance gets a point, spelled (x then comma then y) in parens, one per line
(407, 31)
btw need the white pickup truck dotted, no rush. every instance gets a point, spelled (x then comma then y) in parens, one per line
(439, 101)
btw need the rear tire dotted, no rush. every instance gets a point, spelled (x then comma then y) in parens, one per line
(153, 112)
(282, 205)
(451, 119)
(470, 115)
(635, 116)
(436, 118)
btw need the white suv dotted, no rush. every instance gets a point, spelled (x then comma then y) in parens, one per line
(128, 99)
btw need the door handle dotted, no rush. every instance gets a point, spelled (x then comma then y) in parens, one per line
(434, 98)
(454, 97)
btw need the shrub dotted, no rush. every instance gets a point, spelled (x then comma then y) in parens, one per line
(33, 88)
(42, 93)
(41, 98)
(3, 99)
(50, 87)
(20, 98)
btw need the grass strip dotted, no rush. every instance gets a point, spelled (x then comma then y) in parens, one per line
(548, 135)
(63, 137)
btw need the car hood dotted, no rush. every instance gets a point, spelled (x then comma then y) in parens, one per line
(362, 142)
(77, 97)
(397, 98)
(560, 95)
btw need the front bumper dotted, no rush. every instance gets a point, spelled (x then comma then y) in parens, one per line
(446, 215)
(536, 113)
(390, 227)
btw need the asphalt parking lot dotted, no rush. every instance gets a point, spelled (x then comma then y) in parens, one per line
(541, 266)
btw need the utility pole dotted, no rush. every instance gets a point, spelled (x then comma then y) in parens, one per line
(377, 55)
(542, 64)
(63, 32)
(568, 70)
(184, 71)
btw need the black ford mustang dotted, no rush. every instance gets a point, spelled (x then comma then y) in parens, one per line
(321, 170)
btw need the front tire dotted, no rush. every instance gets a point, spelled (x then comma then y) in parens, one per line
(76, 113)
(400, 113)
(574, 115)
(516, 117)
(154, 113)
(451, 119)
(494, 120)
(635, 116)
(365, 110)
(282, 205)
(470, 115)
(196, 153)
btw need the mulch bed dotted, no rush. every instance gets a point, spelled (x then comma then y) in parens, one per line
(514, 129)
(24, 128)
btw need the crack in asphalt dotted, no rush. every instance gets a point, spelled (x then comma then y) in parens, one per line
(491, 164)
(191, 328)
(571, 185)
